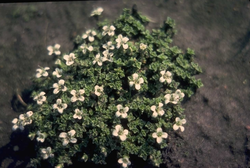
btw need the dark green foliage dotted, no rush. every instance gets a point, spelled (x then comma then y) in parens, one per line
(149, 55)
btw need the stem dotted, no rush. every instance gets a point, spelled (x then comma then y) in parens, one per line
(20, 98)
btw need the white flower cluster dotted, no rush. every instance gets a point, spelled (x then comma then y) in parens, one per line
(122, 41)
(124, 161)
(136, 81)
(108, 30)
(143, 46)
(42, 72)
(99, 60)
(122, 111)
(68, 137)
(60, 106)
(107, 54)
(54, 50)
(77, 95)
(84, 47)
(40, 98)
(179, 123)
(24, 119)
(174, 98)
(69, 59)
(78, 114)
(40, 136)
(98, 90)
(120, 132)
(165, 76)
(59, 86)
(159, 135)
(46, 153)
(57, 73)
(90, 35)
(97, 11)
(157, 110)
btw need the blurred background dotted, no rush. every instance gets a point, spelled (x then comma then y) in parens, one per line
(217, 132)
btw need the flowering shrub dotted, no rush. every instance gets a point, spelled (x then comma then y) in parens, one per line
(119, 90)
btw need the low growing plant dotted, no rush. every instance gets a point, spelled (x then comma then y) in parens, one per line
(119, 90)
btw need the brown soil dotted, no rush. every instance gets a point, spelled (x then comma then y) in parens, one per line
(217, 132)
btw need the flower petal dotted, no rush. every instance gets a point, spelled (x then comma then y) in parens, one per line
(183, 121)
(72, 132)
(153, 108)
(164, 135)
(154, 135)
(73, 140)
(159, 130)
(73, 92)
(63, 135)
(182, 128)
(135, 76)
(115, 133)
(159, 139)
(137, 86)
(123, 137)
(65, 142)
(175, 127)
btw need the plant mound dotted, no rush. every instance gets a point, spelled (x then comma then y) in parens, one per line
(119, 90)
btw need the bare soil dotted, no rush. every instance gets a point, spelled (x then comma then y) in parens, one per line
(217, 133)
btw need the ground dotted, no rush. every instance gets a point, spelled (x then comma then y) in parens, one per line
(217, 132)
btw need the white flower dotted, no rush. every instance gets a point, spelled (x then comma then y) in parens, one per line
(26, 118)
(59, 86)
(175, 97)
(58, 62)
(77, 95)
(98, 90)
(122, 41)
(179, 93)
(97, 11)
(108, 46)
(59, 166)
(179, 124)
(103, 151)
(78, 114)
(69, 58)
(40, 136)
(84, 48)
(60, 106)
(157, 110)
(108, 30)
(118, 131)
(171, 98)
(159, 134)
(122, 111)
(18, 124)
(90, 35)
(99, 59)
(124, 161)
(40, 98)
(143, 46)
(46, 153)
(136, 81)
(54, 50)
(42, 72)
(166, 76)
(57, 72)
(68, 137)
(107, 55)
